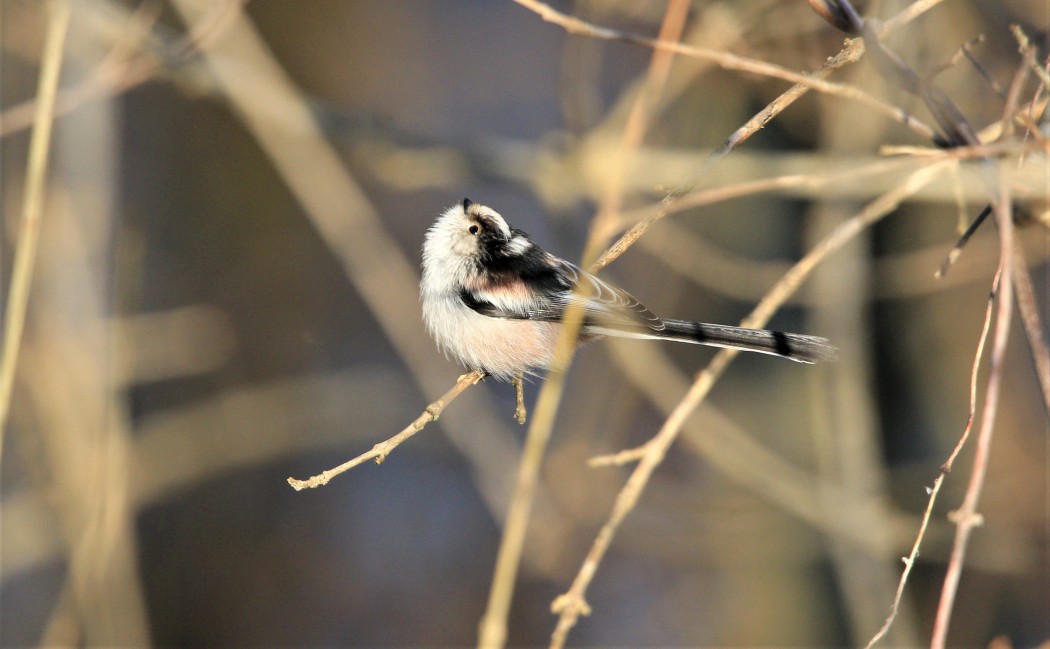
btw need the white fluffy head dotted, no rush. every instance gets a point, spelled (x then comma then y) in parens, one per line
(454, 245)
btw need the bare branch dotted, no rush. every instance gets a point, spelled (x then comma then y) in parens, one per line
(909, 561)
(382, 449)
(32, 207)
(967, 517)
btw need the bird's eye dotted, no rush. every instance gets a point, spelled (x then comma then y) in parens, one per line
(474, 229)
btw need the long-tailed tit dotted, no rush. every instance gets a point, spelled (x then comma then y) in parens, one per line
(493, 300)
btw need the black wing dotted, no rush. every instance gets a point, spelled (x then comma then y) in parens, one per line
(552, 288)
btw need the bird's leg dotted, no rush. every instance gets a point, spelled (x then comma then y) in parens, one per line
(519, 393)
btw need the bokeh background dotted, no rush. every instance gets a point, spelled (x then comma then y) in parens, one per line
(225, 295)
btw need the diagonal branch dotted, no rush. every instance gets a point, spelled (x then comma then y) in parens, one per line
(966, 517)
(572, 604)
(32, 207)
(909, 561)
(384, 448)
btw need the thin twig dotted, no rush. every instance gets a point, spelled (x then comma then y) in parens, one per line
(834, 176)
(1025, 45)
(571, 605)
(851, 53)
(967, 517)
(29, 226)
(520, 413)
(1027, 304)
(641, 218)
(909, 561)
(384, 448)
(725, 60)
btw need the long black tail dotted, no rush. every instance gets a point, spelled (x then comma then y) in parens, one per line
(797, 347)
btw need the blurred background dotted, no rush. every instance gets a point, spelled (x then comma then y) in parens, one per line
(225, 295)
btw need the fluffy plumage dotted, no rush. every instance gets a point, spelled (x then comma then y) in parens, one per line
(493, 300)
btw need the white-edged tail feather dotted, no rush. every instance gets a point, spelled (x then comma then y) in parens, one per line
(796, 347)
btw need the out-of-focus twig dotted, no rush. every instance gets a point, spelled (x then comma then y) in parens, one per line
(32, 207)
(807, 183)
(1028, 308)
(1027, 305)
(1028, 51)
(813, 181)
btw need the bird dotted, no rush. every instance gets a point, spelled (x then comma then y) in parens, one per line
(493, 300)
